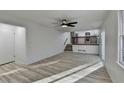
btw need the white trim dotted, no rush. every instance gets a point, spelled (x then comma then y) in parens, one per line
(119, 63)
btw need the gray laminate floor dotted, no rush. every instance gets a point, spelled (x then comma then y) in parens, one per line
(67, 61)
(98, 76)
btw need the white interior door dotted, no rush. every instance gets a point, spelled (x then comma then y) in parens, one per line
(6, 43)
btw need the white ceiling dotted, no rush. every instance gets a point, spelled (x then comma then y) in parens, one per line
(87, 19)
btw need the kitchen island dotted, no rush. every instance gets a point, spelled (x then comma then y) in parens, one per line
(86, 48)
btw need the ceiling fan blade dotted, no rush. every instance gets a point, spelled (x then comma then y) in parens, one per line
(70, 25)
(73, 23)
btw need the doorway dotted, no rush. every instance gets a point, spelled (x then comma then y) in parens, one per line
(12, 43)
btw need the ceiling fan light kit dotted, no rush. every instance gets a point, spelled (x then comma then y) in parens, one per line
(65, 23)
(64, 26)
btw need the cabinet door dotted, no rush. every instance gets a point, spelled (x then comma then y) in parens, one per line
(75, 48)
(82, 49)
(92, 49)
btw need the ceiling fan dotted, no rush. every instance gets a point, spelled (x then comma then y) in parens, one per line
(66, 23)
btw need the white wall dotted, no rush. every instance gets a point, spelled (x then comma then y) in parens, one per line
(68, 36)
(111, 48)
(41, 41)
(102, 45)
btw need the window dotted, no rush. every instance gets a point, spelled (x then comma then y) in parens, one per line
(122, 49)
(121, 38)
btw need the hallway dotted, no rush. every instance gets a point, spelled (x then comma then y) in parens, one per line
(51, 69)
